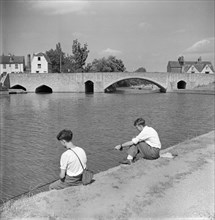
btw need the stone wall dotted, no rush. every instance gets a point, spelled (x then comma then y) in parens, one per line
(76, 82)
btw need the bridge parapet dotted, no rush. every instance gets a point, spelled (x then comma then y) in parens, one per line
(77, 82)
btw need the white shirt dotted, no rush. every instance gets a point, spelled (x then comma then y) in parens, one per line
(150, 136)
(69, 161)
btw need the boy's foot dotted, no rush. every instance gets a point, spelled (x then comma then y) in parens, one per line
(126, 161)
(136, 159)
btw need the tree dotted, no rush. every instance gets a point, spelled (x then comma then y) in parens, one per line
(110, 64)
(57, 58)
(69, 66)
(68, 63)
(140, 70)
(80, 55)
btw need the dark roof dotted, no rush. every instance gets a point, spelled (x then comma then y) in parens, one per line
(174, 64)
(11, 59)
(43, 54)
(177, 64)
(186, 68)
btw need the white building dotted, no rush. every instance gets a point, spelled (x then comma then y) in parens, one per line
(12, 64)
(40, 63)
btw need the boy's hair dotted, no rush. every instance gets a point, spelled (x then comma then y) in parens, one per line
(65, 134)
(139, 121)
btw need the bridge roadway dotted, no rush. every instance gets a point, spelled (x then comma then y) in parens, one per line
(99, 82)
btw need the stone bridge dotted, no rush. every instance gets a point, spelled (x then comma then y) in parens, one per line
(99, 82)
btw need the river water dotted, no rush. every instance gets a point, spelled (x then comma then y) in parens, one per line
(29, 124)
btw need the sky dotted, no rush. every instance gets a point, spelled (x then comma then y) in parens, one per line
(141, 33)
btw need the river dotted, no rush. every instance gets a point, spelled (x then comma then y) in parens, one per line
(29, 149)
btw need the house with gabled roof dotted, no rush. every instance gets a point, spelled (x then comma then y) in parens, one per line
(41, 63)
(207, 69)
(191, 69)
(182, 66)
(12, 64)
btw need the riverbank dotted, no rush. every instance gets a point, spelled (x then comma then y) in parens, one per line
(195, 91)
(182, 187)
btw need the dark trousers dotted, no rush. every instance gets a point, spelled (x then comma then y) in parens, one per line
(68, 181)
(143, 150)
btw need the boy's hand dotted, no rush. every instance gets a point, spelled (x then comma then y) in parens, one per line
(118, 147)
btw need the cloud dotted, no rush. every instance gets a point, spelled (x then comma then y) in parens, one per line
(202, 46)
(77, 35)
(144, 25)
(109, 51)
(53, 7)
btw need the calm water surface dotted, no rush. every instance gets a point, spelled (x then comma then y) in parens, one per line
(29, 124)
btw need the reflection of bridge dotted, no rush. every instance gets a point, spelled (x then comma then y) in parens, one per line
(98, 82)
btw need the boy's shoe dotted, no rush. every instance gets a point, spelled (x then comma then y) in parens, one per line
(126, 161)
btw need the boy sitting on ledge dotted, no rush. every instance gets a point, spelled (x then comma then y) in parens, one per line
(70, 166)
(146, 144)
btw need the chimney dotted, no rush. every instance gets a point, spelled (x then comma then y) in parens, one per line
(29, 61)
(28, 67)
(199, 59)
(181, 62)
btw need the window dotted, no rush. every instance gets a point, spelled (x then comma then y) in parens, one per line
(4, 66)
(39, 66)
(16, 66)
(193, 69)
(37, 72)
(39, 58)
(9, 65)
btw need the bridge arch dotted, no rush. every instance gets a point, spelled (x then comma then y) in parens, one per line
(162, 89)
(181, 85)
(89, 87)
(17, 86)
(43, 89)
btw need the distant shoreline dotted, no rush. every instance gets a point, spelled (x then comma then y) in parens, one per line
(190, 91)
